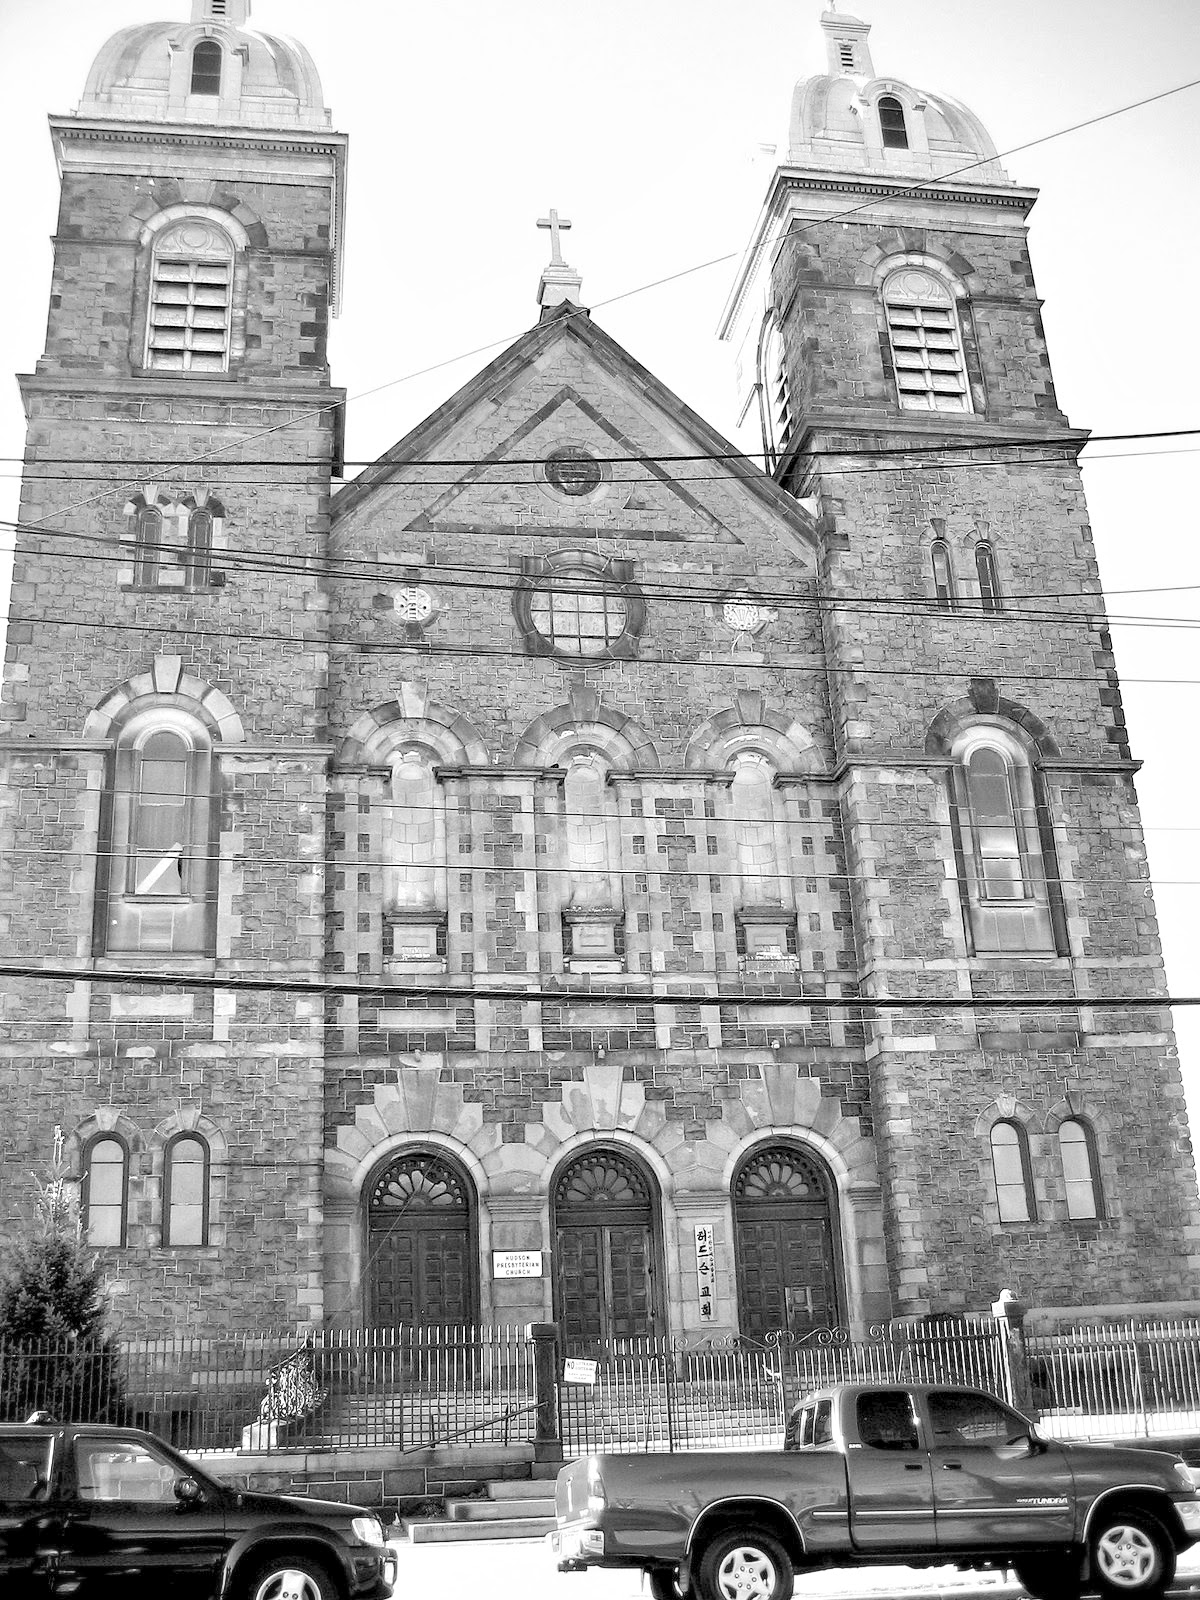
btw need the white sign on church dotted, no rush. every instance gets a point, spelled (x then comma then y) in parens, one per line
(706, 1269)
(516, 1263)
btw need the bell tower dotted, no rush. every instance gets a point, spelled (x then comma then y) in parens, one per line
(891, 356)
(165, 692)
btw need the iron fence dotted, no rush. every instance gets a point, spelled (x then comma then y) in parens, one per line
(409, 1388)
(403, 1387)
(1137, 1378)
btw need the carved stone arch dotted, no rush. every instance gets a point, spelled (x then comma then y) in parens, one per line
(227, 220)
(586, 720)
(1007, 1108)
(166, 684)
(411, 713)
(984, 700)
(904, 249)
(1075, 1107)
(752, 724)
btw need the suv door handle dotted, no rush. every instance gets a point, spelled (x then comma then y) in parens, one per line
(951, 1466)
(914, 1466)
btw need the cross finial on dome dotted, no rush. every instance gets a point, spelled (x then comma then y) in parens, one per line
(559, 282)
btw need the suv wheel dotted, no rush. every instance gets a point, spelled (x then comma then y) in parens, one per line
(290, 1578)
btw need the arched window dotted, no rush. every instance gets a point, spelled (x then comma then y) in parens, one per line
(774, 394)
(927, 355)
(147, 555)
(1010, 1167)
(191, 289)
(158, 827)
(996, 829)
(105, 1190)
(592, 906)
(1077, 1147)
(1003, 835)
(943, 574)
(206, 67)
(185, 1191)
(989, 584)
(414, 874)
(891, 123)
(199, 547)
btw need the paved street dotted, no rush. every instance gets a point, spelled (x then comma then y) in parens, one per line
(523, 1570)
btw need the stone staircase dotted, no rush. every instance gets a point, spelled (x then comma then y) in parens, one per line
(510, 1509)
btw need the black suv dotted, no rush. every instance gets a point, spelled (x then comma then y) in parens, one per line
(106, 1513)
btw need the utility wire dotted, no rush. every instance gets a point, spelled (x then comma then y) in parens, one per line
(611, 994)
(950, 447)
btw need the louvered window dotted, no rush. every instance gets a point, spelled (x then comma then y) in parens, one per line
(927, 353)
(190, 300)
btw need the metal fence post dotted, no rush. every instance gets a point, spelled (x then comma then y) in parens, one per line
(547, 1438)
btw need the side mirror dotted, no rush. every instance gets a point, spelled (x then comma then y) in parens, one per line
(1020, 1448)
(188, 1492)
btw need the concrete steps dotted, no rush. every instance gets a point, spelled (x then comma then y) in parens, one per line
(511, 1509)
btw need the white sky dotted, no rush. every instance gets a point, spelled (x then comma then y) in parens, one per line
(642, 121)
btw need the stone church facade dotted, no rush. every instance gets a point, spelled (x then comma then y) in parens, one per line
(539, 879)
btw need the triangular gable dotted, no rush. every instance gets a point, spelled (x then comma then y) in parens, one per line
(635, 419)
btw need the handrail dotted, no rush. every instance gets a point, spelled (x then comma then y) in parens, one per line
(501, 1416)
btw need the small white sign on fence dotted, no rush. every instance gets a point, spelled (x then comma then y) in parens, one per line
(577, 1371)
(516, 1263)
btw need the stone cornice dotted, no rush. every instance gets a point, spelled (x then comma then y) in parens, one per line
(318, 397)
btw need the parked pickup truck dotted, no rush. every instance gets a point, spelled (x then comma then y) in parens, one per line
(915, 1476)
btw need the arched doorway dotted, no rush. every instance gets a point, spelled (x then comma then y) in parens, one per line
(786, 1242)
(607, 1279)
(421, 1243)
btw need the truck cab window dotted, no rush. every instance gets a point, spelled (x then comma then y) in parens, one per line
(973, 1419)
(886, 1420)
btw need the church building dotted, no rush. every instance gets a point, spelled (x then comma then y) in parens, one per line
(538, 880)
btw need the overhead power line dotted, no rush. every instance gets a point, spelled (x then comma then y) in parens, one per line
(614, 992)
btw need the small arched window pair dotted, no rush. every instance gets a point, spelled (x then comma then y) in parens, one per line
(178, 555)
(944, 589)
(1015, 1199)
(105, 1196)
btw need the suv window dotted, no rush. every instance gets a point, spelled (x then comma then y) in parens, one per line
(886, 1420)
(24, 1468)
(973, 1419)
(122, 1469)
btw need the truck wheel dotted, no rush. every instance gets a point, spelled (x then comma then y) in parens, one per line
(1132, 1554)
(290, 1578)
(1057, 1576)
(745, 1564)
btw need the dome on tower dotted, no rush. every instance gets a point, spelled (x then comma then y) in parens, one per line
(211, 69)
(849, 119)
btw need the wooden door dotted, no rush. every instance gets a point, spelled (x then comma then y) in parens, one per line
(605, 1279)
(420, 1243)
(786, 1262)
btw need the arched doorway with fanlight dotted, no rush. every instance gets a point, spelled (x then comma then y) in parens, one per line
(608, 1276)
(421, 1251)
(786, 1242)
